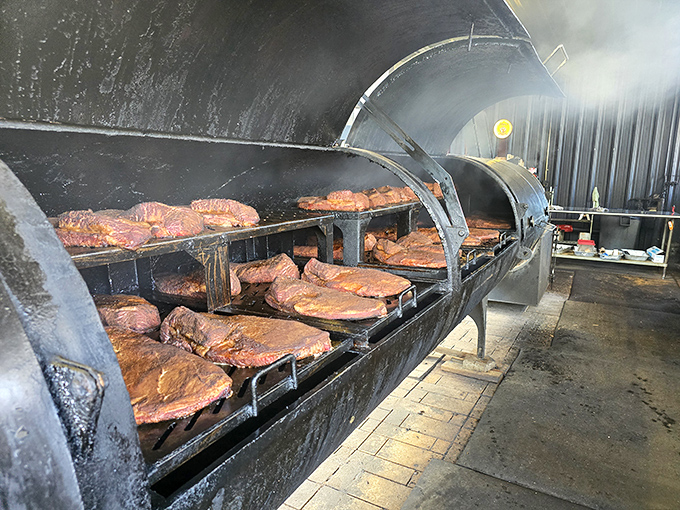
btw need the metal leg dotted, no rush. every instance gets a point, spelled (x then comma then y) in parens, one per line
(353, 232)
(478, 314)
(324, 243)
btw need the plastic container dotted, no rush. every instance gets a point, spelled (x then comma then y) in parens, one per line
(585, 248)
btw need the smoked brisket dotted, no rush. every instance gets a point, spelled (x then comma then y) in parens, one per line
(291, 295)
(165, 382)
(127, 312)
(430, 256)
(312, 251)
(265, 271)
(167, 220)
(192, 285)
(241, 340)
(360, 281)
(225, 212)
(90, 229)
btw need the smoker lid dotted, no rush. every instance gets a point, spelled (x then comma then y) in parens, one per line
(434, 94)
(275, 71)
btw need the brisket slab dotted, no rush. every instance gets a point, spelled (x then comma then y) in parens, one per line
(415, 239)
(167, 220)
(165, 382)
(344, 200)
(375, 198)
(312, 251)
(290, 295)
(430, 256)
(432, 234)
(90, 229)
(241, 340)
(483, 221)
(127, 312)
(265, 271)
(360, 281)
(225, 212)
(192, 285)
(481, 236)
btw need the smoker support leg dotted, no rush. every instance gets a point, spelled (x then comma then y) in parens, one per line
(465, 363)
(478, 314)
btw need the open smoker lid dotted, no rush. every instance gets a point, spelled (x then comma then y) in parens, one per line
(266, 71)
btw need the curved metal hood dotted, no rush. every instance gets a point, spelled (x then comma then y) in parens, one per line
(276, 70)
(433, 94)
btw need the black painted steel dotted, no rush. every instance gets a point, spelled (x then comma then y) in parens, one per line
(62, 325)
(31, 430)
(263, 70)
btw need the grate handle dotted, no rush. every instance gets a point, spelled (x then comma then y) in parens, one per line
(400, 301)
(288, 358)
(565, 58)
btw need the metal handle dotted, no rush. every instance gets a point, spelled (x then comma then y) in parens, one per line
(400, 300)
(564, 61)
(281, 361)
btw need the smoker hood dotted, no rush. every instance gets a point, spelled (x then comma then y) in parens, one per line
(434, 93)
(275, 71)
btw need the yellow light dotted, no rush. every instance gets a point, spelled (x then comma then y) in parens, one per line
(502, 128)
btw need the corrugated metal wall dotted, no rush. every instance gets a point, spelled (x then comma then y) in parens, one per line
(626, 144)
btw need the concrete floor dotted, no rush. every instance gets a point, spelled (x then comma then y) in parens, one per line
(429, 419)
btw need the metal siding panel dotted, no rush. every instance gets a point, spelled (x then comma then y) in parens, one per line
(628, 147)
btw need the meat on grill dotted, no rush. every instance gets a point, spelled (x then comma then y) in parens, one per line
(90, 229)
(290, 295)
(127, 312)
(431, 256)
(375, 198)
(165, 382)
(265, 271)
(346, 200)
(312, 251)
(480, 236)
(166, 220)
(435, 188)
(343, 200)
(225, 212)
(360, 281)
(414, 239)
(241, 340)
(192, 285)
(432, 234)
(482, 221)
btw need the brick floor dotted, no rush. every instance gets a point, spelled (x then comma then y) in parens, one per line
(430, 415)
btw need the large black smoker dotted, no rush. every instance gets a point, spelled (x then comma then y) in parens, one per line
(107, 104)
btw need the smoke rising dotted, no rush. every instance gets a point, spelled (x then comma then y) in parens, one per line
(616, 47)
